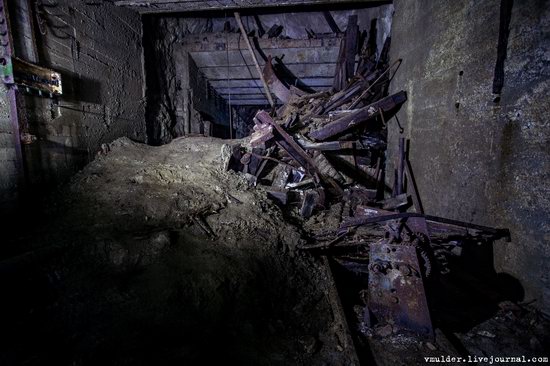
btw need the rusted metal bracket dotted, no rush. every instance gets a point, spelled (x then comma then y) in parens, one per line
(16, 72)
(396, 288)
(276, 85)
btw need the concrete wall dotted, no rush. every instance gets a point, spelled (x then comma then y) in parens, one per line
(97, 48)
(477, 159)
(10, 150)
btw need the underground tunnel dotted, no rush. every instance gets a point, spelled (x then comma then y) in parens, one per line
(261, 182)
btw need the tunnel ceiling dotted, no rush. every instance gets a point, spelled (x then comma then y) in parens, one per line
(162, 6)
(231, 70)
(308, 45)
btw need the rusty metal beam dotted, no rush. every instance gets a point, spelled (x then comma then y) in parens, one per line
(396, 288)
(495, 233)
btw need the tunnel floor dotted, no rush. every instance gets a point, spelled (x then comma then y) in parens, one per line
(157, 255)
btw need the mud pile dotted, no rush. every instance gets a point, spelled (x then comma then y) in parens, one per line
(156, 255)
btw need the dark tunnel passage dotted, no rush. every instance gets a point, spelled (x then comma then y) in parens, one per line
(305, 182)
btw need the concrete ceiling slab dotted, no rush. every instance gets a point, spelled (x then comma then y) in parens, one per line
(290, 56)
(317, 83)
(249, 71)
(254, 102)
(235, 97)
(227, 64)
(208, 42)
(170, 6)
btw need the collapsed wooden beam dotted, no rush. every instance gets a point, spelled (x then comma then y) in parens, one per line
(354, 120)
(331, 23)
(287, 143)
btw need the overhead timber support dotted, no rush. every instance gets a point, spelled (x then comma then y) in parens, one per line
(227, 63)
(167, 6)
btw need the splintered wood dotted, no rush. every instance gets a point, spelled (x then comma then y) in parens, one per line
(320, 144)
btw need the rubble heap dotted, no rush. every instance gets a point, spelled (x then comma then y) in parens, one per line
(327, 149)
(319, 147)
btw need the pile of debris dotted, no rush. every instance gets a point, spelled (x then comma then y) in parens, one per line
(328, 148)
(319, 147)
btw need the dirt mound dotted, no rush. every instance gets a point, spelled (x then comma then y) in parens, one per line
(163, 257)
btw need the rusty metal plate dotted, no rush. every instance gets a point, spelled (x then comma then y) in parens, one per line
(276, 85)
(396, 289)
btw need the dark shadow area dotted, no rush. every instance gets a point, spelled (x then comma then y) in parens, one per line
(471, 291)
(195, 304)
(350, 285)
(467, 295)
(79, 89)
(49, 164)
(221, 131)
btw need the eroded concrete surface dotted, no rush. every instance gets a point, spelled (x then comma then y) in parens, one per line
(97, 49)
(476, 159)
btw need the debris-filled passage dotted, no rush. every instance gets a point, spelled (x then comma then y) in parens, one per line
(321, 157)
(162, 257)
(297, 245)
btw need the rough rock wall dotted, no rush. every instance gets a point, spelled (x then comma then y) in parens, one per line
(97, 49)
(176, 89)
(162, 92)
(477, 159)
